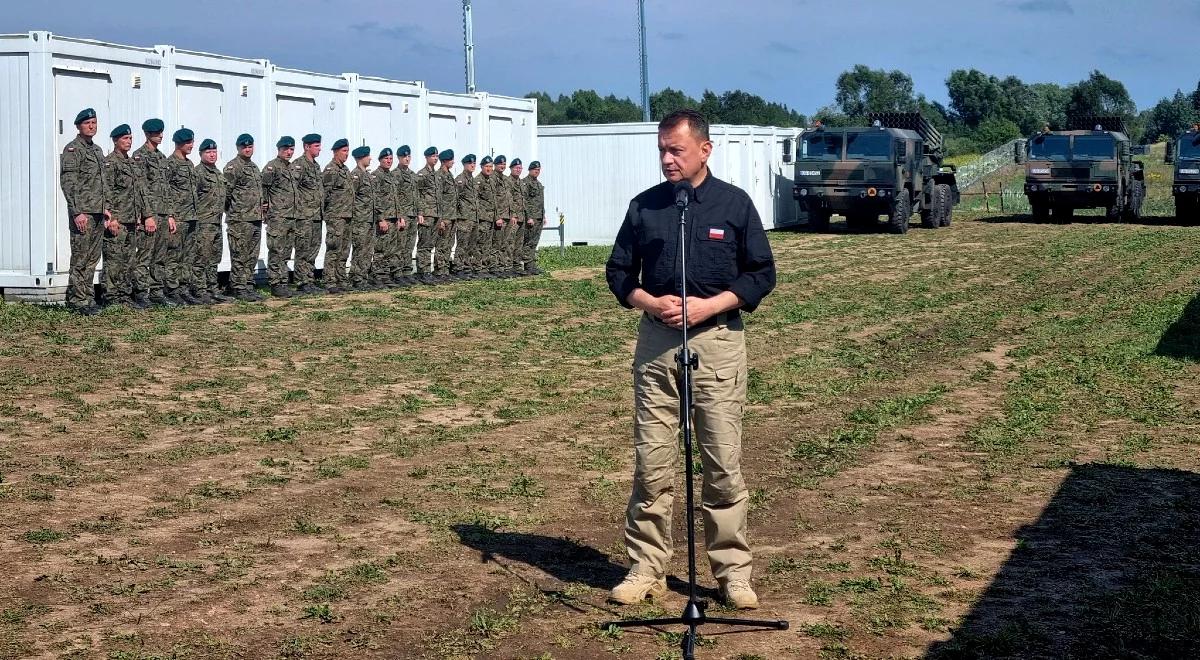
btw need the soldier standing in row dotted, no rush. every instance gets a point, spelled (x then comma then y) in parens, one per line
(150, 274)
(82, 182)
(481, 248)
(390, 227)
(447, 210)
(204, 247)
(466, 222)
(362, 232)
(244, 211)
(181, 204)
(427, 211)
(280, 196)
(516, 188)
(127, 207)
(309, 200)
(535, 217)
(339, 207)
(505, 204)
(406, 191)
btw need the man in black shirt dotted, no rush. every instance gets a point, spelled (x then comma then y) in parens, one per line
(730, 269)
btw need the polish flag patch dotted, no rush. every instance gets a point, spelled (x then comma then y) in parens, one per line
(715, 234)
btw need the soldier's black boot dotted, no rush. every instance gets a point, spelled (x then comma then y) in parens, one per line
(159, 300)
(187, 298)
(140, 301)
(281, 291)
(219, 297)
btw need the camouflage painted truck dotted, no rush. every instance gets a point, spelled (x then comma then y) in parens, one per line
(892, 167)
(1185, 188)
(1089, 165)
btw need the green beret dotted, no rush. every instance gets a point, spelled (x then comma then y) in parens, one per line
(448, 154)
(121, 131)
(341, 144)
(535, 165)
(208, 144)
(245, 140)
(153, 126)
(487, 160)
(469, 158)
(515, 162)
(311, 138)
(285, 141)
(183, 136)
(431, 151)
(500, 159)
(384, 153)
(360, 152)
(403, 151)
(84, 115)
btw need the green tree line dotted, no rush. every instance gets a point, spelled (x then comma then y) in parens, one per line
(984, 110)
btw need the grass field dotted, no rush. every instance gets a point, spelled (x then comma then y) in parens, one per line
(979, 441)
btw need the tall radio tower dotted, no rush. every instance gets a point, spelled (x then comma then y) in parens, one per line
(469, 46)
(642, 59)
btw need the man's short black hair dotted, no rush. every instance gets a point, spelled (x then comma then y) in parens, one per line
(694, 119)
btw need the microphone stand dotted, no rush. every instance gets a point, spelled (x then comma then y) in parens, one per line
(693, 615)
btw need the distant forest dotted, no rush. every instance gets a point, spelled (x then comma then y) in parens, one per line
(984, 110)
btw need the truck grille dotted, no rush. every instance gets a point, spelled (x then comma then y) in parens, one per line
(1071, 172)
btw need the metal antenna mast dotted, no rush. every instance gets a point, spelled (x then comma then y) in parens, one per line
(469, 46)
(642, 60)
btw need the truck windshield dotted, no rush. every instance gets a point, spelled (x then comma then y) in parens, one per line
(821, 146)
(1189, 147)
(872, 145)
(1049, 147)
(1093, 147)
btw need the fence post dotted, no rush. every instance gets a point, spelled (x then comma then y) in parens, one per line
(1002, 198)
(562, 236)
(987, 207)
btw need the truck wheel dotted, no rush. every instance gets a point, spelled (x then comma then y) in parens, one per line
(1137, 194)
(901, 210)
(941, 193)
(818, 219)
(930, 218)
(1063, 214)
(1114, 211)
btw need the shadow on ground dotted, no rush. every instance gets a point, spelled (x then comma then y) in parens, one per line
(1111, 569)
(1182, 339)
(1025, 218)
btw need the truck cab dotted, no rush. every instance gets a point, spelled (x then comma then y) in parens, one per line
(1083, 168)
(1184, 153)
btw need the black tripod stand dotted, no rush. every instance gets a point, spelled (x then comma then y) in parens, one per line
(693, 615)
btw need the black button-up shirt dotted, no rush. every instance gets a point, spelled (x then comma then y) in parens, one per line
(727, 249)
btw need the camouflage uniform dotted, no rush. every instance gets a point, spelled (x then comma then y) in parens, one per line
(387, 243)
(309, 200)
(181, 202)
(502, 241)
(481, 248)
(280, 194)
(82, 182)
(243, 209)
(466, 227)
(535, 212)
(150, 269)
(447, 211)
(127, 206)
(362, 226)
(339, 206)
(205, 246)
(516, 188)
(406, 192)
(427, 205)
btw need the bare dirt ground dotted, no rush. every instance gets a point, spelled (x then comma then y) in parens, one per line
(973, 442)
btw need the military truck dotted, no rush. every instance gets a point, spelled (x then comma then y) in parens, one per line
(1089, 165)
(1184, 153)
(892, 167)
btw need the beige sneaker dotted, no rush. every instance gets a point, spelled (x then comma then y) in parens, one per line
(740, 594)
(637, 587)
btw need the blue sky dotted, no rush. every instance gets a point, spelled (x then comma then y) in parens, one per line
(785, 50)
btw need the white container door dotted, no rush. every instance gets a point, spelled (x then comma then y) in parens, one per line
(761, 183)
(199, 108)
(443, 134)
(501, 131)
(297, 117)
(376, 122)
(731, 159)
(74, 91)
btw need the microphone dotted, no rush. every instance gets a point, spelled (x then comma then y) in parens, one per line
(683, 193)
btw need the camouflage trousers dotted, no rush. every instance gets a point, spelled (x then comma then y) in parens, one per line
(174, 257)
(389, 263)
(533, 236)
(337, 249)
(408, 244)
(481, 246)
(443, 235)
(281, 239)
(119, 253)
(308, 246)
(85, 253)
(426, 238)
(362, 244)
(515, 246)
(245, 239)
(464, 239)
(149, 274)
(204, 255)
(502, 247)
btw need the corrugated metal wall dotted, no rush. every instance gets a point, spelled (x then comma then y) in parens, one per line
(46, 79)
(618, 161)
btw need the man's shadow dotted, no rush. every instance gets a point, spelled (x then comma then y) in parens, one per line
(1182, 339)
(1111, 569)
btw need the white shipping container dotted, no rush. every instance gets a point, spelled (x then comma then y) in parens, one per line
(46, 79)
(612, 163)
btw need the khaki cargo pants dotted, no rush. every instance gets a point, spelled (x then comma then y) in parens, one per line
(719, 393)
